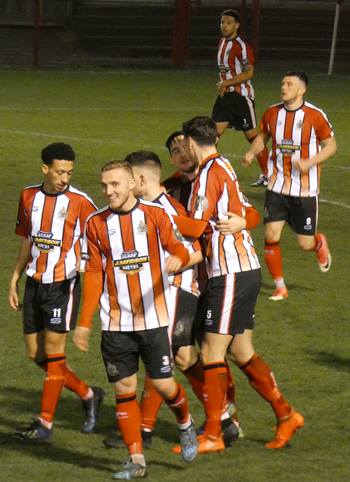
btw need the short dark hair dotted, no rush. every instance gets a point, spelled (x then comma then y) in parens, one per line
(201, 129)
(231, 13)
(300, 75)
(143, 158)
(57, 150)
(171, 138)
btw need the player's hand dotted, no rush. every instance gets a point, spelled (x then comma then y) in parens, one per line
(301, 165)
(222, 88)
(173, 264)
(13, 298)
(81, 338)
(233, 224)
(247, 159)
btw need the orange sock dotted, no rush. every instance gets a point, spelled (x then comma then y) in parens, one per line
(195, 376)
(263, 381)
(150, 404)
(53, 385)
(128, 416)
(273, 259)
(230, 392)
(215, 388)
(179, 405)
(72, 382)
(262, 160)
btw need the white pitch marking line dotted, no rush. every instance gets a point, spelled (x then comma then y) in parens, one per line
(78, 139)
(335, 203)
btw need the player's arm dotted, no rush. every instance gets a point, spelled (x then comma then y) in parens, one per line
(92, 288)
(256, 147)
(179, 256)
(328, 149)
(196, 255)
(244, 76)
(234, 223)
(23, 257)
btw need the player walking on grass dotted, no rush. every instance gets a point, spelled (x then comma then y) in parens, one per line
(51, 218)
(127, 273)
(233, 287)
(302, 139)
(234, 106)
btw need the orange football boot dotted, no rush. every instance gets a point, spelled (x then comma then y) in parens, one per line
(323, 254)
(285, 430)
(279, 294)
(206, 445)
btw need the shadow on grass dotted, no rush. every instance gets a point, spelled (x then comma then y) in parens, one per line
(55, 453)
(268, 287)
(331, 360)
(69, 414)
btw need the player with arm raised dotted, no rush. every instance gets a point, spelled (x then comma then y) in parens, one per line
(302, 139)
(233, 288)
(235, 105)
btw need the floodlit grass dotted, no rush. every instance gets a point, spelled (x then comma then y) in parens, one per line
(105, 115)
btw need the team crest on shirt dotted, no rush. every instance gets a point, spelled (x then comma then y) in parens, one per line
(130, 262)
(299, 124)
(142, 228)
(201, 203)
(62, 214)
(287, 146)
(45, 242)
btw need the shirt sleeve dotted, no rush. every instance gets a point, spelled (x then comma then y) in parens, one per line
(91, 254)
(247, 56)
(86, 208)
(324, 128)
(23, 219)
(264, 124)
(171, 238)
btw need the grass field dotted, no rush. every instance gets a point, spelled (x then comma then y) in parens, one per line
(306, 338)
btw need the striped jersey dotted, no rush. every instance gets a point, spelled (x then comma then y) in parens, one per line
(295, 135)
(179, 187)
(54, 223)
(215, 192)
(233, 57)
(187, 279)
(130, 249)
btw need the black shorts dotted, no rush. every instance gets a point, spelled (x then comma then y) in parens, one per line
(51, 306)
(301, 213)
(236, 109)
(121, 351)
(230, 302)
(182, 312)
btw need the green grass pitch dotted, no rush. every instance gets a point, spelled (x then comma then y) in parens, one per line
(306, 339)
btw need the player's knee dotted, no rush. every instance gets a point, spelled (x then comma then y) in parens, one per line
(33, 355)
(184, 359)
(307, 243)
(165, 386)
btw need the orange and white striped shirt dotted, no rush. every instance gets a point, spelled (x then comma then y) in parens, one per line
(233, 56)
(295, 135)
(54, 223)
(130, 249)
(215, 192)
(187, 279)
